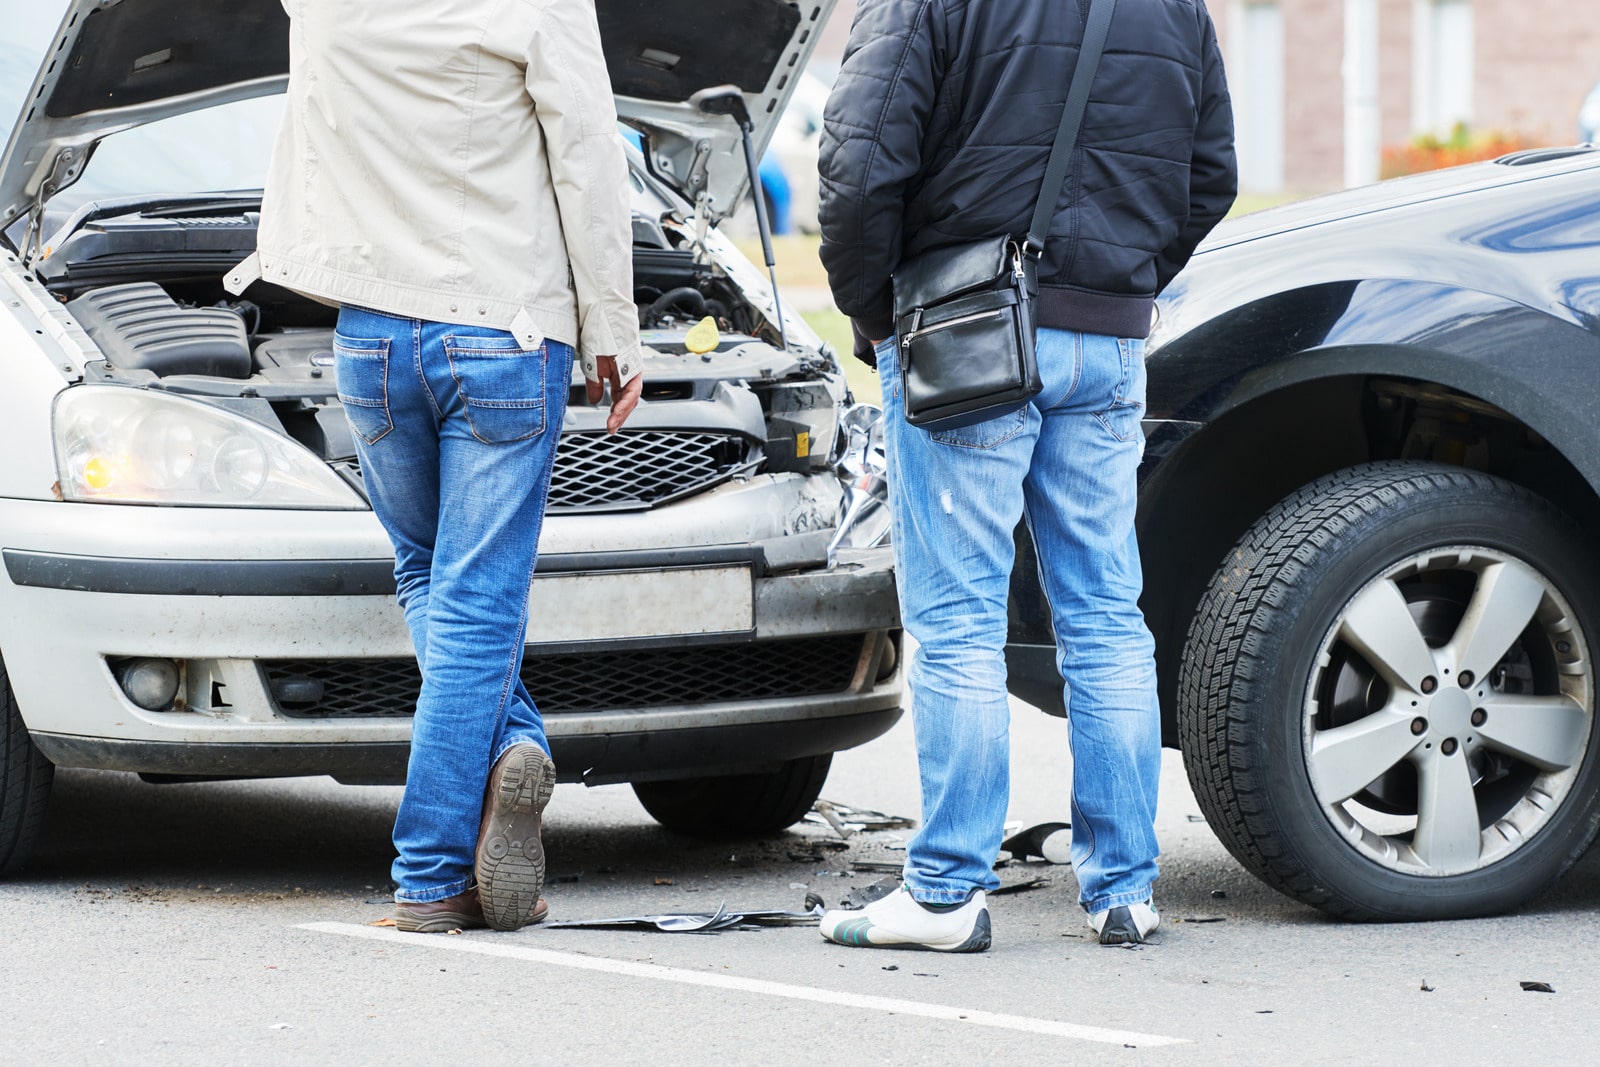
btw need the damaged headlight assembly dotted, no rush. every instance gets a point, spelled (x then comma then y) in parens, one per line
(864, 468)
(116, 444)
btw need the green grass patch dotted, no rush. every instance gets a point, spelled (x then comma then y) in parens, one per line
(834, 328)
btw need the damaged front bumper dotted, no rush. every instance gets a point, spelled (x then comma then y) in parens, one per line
(666, 662)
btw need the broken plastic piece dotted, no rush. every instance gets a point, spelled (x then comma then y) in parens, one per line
(825, 809)
(1020, 887)
(1050, 841)
(861, 896)
(697, 922)
(1536, 987)
(846, 820)
(876, 867)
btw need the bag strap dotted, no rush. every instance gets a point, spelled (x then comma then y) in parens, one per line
(1055, 173)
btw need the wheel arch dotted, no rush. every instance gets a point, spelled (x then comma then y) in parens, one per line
(1324, 409)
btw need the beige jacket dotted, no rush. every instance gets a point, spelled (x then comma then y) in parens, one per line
(455, 161)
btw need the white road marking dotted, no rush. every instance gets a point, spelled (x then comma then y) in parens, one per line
(747, 985)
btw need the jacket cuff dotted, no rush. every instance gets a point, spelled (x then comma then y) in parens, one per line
(598, 339)
(630, 363)
(863, 345)
(875, 326)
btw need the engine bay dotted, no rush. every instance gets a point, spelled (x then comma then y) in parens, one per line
(145, 283)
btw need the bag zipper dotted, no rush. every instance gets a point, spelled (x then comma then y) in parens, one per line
(936, 327)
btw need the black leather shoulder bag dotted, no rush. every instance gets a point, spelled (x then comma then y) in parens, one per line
(964, 314)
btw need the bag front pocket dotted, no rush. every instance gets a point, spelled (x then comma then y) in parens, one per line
(361, 370)
(500, 385)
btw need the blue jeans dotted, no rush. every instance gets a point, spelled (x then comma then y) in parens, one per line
(1066, 463)
(456, 428)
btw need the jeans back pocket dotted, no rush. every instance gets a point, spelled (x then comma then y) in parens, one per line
(1122, 418)
(501, 386)
(361, 369)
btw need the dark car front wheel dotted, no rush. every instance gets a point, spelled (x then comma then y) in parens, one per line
(1387, 697)
(25, 777)
(738, 805)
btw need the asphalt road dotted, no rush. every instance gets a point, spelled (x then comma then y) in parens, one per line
(228, 922)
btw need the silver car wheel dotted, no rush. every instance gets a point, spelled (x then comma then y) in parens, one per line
(1449, 711)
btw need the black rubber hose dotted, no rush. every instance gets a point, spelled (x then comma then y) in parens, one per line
(673, 297)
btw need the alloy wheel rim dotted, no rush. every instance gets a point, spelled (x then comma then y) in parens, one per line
(1449, 711)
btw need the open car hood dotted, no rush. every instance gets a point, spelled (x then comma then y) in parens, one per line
(117, 64)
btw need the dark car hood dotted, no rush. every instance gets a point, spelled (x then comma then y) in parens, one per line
(114, 66)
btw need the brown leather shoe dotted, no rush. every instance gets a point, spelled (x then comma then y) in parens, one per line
(510, 856)
(460, 912)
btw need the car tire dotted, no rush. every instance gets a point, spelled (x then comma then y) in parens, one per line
(739, 805)
(25, 778)
(1300, 676)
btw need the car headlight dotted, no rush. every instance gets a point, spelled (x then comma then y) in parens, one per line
(116, 444)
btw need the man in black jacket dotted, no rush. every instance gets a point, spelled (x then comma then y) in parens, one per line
(937, 134)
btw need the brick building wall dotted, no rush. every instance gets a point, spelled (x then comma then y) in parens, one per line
(1533, 61)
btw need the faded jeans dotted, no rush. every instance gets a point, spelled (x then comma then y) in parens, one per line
(1066, 463)
(456, 428)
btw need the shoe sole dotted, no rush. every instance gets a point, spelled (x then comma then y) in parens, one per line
(979, 940)
(511, 864)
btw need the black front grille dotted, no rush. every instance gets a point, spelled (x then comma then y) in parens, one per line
(636, 470)
(642, 468)
(589, 681)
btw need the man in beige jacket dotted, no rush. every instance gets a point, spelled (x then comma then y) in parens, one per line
(451, 176)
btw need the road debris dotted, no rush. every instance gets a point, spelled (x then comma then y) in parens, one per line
(1536, 987)
(382, 922)
(1426, 988)
(1020, 887)
(697, 922)
(846, 820)
(831, 817)
(664, 881)
(876, 867)
(861, 896)
(1204, 919)
(1050, 841)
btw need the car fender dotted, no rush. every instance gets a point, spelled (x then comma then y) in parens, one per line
(1536, 367)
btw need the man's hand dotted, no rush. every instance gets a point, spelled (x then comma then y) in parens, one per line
(624, 398)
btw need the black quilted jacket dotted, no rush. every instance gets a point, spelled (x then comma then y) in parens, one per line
(941, 121)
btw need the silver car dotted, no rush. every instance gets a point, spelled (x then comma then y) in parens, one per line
(193, 584)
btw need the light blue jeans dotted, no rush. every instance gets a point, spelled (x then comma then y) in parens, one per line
(456, 428)
(1066, 463)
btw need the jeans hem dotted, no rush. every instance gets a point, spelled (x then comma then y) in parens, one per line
(945, 895)
(428, 896)
(1118, 900)
(505, 746)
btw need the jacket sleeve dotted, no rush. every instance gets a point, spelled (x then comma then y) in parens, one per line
(571, 94)
(1213, 171)
(872, 135)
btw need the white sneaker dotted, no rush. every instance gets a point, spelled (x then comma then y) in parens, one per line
(898, 921)
(1127, 924)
